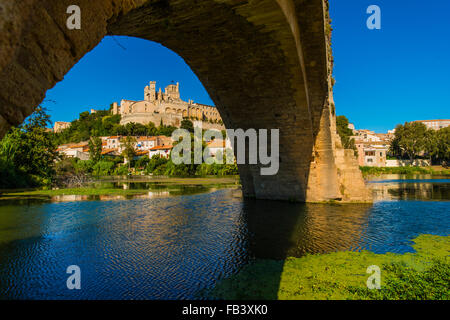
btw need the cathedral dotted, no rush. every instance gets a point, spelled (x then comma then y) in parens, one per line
(167, 108)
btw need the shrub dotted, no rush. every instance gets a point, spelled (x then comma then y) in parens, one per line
(103, 168)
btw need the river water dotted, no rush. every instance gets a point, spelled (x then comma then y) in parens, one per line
(172, 244)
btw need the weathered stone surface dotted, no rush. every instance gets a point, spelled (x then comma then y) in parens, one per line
(264, 63)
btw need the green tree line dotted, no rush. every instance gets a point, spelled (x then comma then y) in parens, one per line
(413, 140)
(102, 123)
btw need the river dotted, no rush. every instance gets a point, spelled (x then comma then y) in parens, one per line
(170, 244)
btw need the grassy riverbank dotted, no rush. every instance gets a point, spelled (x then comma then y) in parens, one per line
(424, 274)
(93, 190)
(408, 170)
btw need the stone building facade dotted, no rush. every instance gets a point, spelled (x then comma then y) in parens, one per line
(60, 126)
(166, 107)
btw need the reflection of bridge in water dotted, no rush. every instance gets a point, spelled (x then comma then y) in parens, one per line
(279, 230)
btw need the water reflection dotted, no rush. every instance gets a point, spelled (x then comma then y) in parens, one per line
(279, 229)
(410, 189)
(145, 195)
(164, 247)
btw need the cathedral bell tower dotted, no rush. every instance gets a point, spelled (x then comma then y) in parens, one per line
(150, 92)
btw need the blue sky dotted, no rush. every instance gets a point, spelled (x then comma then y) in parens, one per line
(383, 77)
(396, 74)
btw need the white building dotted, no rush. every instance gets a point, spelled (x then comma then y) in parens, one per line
(217, 145)
(435, 124)
(162, 151)
(146, 143)
(373, 156)
(75, 150)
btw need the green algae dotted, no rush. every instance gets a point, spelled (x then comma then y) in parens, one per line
(423, 274)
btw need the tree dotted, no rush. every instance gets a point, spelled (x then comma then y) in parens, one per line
(136, 129)
(187, 125)
(156, 162)
(409, 140)
(100, 123)
(128, 152)
(443, 145)
(95, 149)
(103, 168)
(30, 150)
(345, 133)
(142, 162)
(166, 130)
(431, 144)
(151, 129)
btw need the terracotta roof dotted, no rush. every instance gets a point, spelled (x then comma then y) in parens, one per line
(161, 148)
(165, 138)
(216, 144)
(140, 153)
(106, 151)
(74, 145)
(146, 139)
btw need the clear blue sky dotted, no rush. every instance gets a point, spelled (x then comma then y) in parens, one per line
(396, 74)
(110, 73)
(383, 77)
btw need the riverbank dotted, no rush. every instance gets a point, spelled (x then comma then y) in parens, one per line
(98, 188)
(408, 170)
(342, 275)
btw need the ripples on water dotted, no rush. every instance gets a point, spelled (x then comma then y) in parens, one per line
(172, 247)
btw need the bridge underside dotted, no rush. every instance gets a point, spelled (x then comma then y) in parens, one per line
(266, 65)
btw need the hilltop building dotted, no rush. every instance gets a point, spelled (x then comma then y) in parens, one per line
(435, 124)
(60, 126)
(430, 124)
(167, 108)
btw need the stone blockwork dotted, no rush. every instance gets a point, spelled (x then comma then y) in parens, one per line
(334, 171)
(264, 63)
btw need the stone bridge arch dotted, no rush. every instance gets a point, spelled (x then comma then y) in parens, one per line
(265, 64)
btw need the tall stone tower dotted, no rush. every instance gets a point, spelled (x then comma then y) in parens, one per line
(150, 92)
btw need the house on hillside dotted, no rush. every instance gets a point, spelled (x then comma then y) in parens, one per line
(162, 151)
(75, 150)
